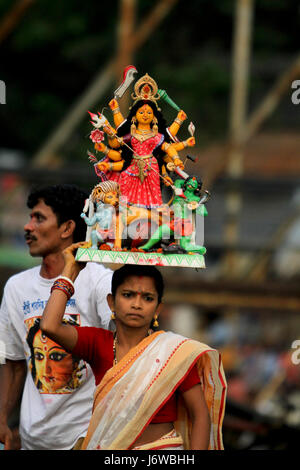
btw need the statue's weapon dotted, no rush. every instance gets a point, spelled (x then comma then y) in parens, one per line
(164, 95)
(128, 77)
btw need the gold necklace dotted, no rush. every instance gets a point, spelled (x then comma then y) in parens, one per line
(115, 361)
(114, 350)
(144, 135)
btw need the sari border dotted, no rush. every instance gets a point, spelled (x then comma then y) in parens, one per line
(174, 388)
(118, 370)
(212, 379)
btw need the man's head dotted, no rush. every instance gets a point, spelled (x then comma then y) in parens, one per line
(55, 220)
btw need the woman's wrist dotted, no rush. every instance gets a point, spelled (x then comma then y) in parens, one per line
(68, 279)
(70, 272)
(64, 285)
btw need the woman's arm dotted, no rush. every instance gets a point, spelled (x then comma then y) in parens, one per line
(51, 322)
(199, 415)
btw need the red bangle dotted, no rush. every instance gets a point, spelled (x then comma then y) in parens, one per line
(64, 286)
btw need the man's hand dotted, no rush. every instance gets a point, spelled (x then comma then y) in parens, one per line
(6, 436)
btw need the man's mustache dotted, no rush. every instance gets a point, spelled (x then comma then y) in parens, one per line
(28, 236)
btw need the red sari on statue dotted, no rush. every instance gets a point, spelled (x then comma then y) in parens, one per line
(140, 182)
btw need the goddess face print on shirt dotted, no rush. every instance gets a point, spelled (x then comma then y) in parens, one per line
(53, 369)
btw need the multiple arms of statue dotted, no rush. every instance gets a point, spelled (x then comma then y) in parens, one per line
(118, 116)
(177, 123)
(171, 149)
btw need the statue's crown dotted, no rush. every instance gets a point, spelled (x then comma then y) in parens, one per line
(145, 89)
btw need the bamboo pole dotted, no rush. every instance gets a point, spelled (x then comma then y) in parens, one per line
(12, 18)
(238, 111)
(125, 52)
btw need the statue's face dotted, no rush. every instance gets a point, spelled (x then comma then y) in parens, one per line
(144, 114)
(111, 198)
(192, 184)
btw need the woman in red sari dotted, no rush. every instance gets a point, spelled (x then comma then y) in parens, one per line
(155, 389)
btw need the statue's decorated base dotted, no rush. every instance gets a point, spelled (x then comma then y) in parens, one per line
(127, 257)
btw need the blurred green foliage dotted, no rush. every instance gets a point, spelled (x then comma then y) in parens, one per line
(59, 46)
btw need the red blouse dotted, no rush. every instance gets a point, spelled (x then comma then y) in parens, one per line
(95, 346)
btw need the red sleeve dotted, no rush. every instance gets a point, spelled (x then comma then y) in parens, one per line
(191, 379)
(90, 341)
(95, 346)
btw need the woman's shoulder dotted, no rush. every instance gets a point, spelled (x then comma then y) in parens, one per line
(94, 332)
(175, 337)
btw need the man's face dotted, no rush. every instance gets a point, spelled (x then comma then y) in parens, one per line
(42, 234)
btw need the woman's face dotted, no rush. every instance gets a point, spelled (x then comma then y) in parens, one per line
(54, 366)
(135, 302)
(144, 114)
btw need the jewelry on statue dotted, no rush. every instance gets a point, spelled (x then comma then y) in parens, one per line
(116, 110)
(146, 89)
(133, 126)
(155, 127)
(105, 150)
(178, 121)
(143, 135)
(141, 164)
(145, 131)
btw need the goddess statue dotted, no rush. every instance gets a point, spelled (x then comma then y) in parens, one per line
(140, 148)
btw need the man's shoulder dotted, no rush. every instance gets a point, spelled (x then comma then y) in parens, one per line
(96, 271)
(23, 276)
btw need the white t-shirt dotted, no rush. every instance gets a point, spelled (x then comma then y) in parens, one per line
(58, 393)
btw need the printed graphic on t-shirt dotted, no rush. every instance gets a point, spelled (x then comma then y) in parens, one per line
(53, 369)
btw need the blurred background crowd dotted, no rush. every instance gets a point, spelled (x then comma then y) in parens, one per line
(233, 67)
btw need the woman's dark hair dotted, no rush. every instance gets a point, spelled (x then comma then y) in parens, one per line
(30, 337)
(127, 270)
(124, 130)
(67, 202)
